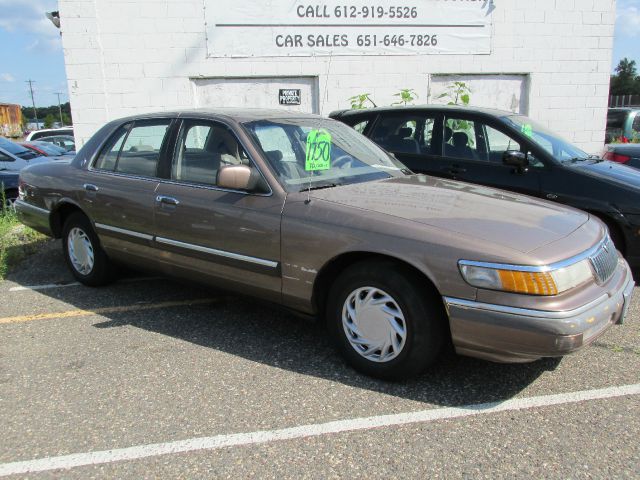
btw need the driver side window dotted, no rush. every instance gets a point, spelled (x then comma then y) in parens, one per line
(204, 147)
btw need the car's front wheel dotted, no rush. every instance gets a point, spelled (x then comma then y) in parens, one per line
(84, 255)
(385, 320)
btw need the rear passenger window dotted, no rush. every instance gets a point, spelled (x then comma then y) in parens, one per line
(109, 155)
(141, 150)
(404, 133)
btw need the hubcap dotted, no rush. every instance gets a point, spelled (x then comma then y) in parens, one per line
(374, 324)
(80, 251)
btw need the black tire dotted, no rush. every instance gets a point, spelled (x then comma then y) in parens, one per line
(419, 303)
(102, 271)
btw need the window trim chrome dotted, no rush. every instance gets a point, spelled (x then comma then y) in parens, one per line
(538, 268)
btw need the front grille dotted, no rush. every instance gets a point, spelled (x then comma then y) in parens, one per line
(605, 261)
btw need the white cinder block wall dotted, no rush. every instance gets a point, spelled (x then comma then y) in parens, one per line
(130, 56)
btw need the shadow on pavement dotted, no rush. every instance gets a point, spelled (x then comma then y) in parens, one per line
(272, 336)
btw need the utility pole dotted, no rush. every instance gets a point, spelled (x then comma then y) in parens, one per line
(33, 102)
(60, 108)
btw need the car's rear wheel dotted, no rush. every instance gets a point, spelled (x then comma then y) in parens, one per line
(9, 198)
(385, 320)
(82, 252)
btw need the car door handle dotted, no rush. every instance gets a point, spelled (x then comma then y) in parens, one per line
(167, 200)
(89, 187)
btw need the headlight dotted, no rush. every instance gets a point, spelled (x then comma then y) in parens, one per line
(527, 280)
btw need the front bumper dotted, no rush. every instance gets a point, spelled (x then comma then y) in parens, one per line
(507, 334)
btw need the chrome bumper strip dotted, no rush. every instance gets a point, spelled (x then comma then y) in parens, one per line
(219, 253)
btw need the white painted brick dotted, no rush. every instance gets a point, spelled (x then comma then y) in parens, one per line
(148, 50)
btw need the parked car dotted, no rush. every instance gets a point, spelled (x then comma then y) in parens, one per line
(508, 151)
(64, 141)
(622, 122)
(305, 212)
(49, 132)
(626, 153)
(17, 150)
(46, 149)
(8, 185)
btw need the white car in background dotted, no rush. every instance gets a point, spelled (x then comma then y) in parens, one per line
(48, 132)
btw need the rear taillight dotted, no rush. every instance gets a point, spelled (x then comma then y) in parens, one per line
(22, 189)
(616, 157)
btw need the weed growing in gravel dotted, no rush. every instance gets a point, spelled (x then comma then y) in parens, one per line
(16, 240)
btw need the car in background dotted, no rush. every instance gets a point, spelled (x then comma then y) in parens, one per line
(511, 152)
(17, 150)
(622, 123)
(626, 153)
(305, 212)
(46, 149)
(63, 141)
(8, 186)
(49, 132)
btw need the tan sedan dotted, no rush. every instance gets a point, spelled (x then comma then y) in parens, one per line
(305, 212)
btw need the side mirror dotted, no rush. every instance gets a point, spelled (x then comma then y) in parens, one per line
(515, 158)
(234, 177)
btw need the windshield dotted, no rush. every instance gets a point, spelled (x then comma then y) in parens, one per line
(17, 150)
(560, 149)
(314, 153)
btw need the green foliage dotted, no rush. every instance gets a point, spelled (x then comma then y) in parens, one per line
(626, 80)
(49, 120)
(458, 93)
(66, 119)
(16, 240)
(358, 102)
(407, 96)
(27, 112)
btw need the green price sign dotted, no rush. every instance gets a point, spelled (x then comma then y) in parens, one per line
(527, 129)
(318, 151)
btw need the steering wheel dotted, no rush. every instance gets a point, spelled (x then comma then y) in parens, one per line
(342, 160)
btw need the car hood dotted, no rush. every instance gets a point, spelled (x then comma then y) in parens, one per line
(612, 171)
(503, 218)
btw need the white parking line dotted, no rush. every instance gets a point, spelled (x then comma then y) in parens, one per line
(48, 286)
(313, 430)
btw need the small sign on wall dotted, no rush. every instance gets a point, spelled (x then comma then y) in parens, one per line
(289, 96)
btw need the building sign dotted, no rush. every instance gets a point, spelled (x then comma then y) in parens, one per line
(267, 28)
(289, 96)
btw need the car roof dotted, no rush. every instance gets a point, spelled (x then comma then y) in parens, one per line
(422, 108)
(235, 114)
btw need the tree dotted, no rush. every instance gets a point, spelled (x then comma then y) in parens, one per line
(626, 80)
(49, 120)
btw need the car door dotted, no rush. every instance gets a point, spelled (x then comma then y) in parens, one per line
(473, 150)
(413, 137)
(230, 236)
(119, 188)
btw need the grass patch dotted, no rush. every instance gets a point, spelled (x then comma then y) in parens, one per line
(16, 241)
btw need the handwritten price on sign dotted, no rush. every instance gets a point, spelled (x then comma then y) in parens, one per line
(318, 154)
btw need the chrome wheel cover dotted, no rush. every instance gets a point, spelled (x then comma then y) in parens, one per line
(80, 251)
(374, 324)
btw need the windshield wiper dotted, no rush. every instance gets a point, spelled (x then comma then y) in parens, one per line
(320, 187)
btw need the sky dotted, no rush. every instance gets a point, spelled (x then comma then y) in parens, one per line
(30, 48)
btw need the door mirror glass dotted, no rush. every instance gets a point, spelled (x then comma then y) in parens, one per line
(515, 158)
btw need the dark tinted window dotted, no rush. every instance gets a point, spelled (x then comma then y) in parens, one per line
(203, 147)
(5, 158)
(140, 152)
(636, 123)
(410, 133)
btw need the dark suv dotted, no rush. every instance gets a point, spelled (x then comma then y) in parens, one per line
(508, 151)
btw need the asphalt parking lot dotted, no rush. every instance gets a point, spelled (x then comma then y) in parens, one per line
(149, 378)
